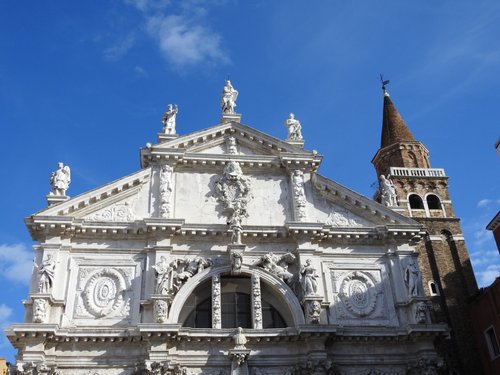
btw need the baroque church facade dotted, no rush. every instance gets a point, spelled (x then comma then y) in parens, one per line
(227, 253)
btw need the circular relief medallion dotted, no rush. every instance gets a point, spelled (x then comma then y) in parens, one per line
(358, 293)
(103, 293)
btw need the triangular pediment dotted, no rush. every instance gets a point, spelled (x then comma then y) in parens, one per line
(115, 201)
(346, 208)
(214, 142)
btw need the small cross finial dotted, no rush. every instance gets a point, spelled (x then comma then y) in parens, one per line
(384, 84)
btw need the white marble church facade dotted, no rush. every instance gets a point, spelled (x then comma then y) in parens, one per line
(223, 228)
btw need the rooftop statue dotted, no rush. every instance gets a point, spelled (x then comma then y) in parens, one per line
(229, 96)
(294, 128)
(168, 119)
(60, 180)
(387, 191)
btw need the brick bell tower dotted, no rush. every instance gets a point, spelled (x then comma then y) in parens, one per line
(422, 194)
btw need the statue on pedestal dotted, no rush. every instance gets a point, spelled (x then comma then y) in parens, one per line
(60, 180)
(229, 96)
(308, 278)
(412, 276)
(294, 128)
(46, 272)
(168, 119)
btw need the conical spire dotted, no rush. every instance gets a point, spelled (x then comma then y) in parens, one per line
(394, 129)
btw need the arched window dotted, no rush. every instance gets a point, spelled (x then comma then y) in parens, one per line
(433, 288)
(416, 202)
(236, 306)
(433, 202)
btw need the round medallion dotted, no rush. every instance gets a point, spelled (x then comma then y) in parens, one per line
(103, 293)
(358, 293)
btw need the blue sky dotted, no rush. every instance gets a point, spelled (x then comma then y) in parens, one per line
(86, 83)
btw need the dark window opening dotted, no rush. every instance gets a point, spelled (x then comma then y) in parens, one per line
(271, 318)
(492, 342)
(433, 288)
(433, 202)
(201, 316)
(236, 310)
(416, 202)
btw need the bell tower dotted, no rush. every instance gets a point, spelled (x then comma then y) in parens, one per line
(421, 192)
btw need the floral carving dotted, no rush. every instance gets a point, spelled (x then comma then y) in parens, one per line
(358, 293)
(121, 212)
(299, 195)
(257, 303)
(342, 218)
(216, 302)
(165, 190)
(233, 191)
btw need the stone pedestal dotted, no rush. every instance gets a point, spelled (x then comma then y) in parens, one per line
(239, 365)
(56, 199)
(295, 142)
(162, 137)
(230, 117)
(312, 308)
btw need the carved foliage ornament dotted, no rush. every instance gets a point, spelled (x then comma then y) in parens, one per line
(103, 294)
(299, 195)
(358, 293)
(166, 183)
(121, 212)
(160, 310)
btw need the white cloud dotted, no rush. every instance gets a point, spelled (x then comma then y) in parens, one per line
(140, 71)
(488, 275)
(484, 203)
(182, 42)
(146, 5)
(120, 49)
(16, 263)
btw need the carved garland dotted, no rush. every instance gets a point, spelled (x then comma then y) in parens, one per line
(358, 293)
(103, 293)
(165, 190)
(216, 302)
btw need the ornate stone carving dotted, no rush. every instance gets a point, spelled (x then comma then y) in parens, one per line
(121, 212)
(40, 308)
(216, 302)
(308, 279)
(103, 295)
(421, 312)
(299, 195)
(233, 191)
(168, 119)
(166, 187)
(314, 311)
(314, 367)
(236, 261)
(277, 265)
(412, 279)
(239, 339)
(228, 99)
(46, 272)
(231, 146)
(171, 276)
(160, 310)
(358, 293)
(257, 302)
(387, 191)
(427, 367)
(60, 180)
(342, 218)
(294, 128)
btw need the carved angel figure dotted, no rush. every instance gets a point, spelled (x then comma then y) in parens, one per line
(184, 269)
(294, 128)
(308, 278)
(60, 179)
(229, 96)
(277, 265)
(46, 272)
(387, 191)
(168, 119)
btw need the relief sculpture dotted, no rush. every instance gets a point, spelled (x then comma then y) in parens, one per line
(277, 265)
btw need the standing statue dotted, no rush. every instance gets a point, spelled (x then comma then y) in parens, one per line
(412, 276)
(229, 96)
(46, 272)
(168, 119)
(60, 179)
(164, 276)
(308, 278)
(387, 191)
(294, 128)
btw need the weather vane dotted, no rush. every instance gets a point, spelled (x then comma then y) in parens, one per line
(384, 83)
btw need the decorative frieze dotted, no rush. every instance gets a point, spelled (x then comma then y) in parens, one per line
(216, 302)
(256, 302)
(166, 188)
(299, 195)
(120, 212)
